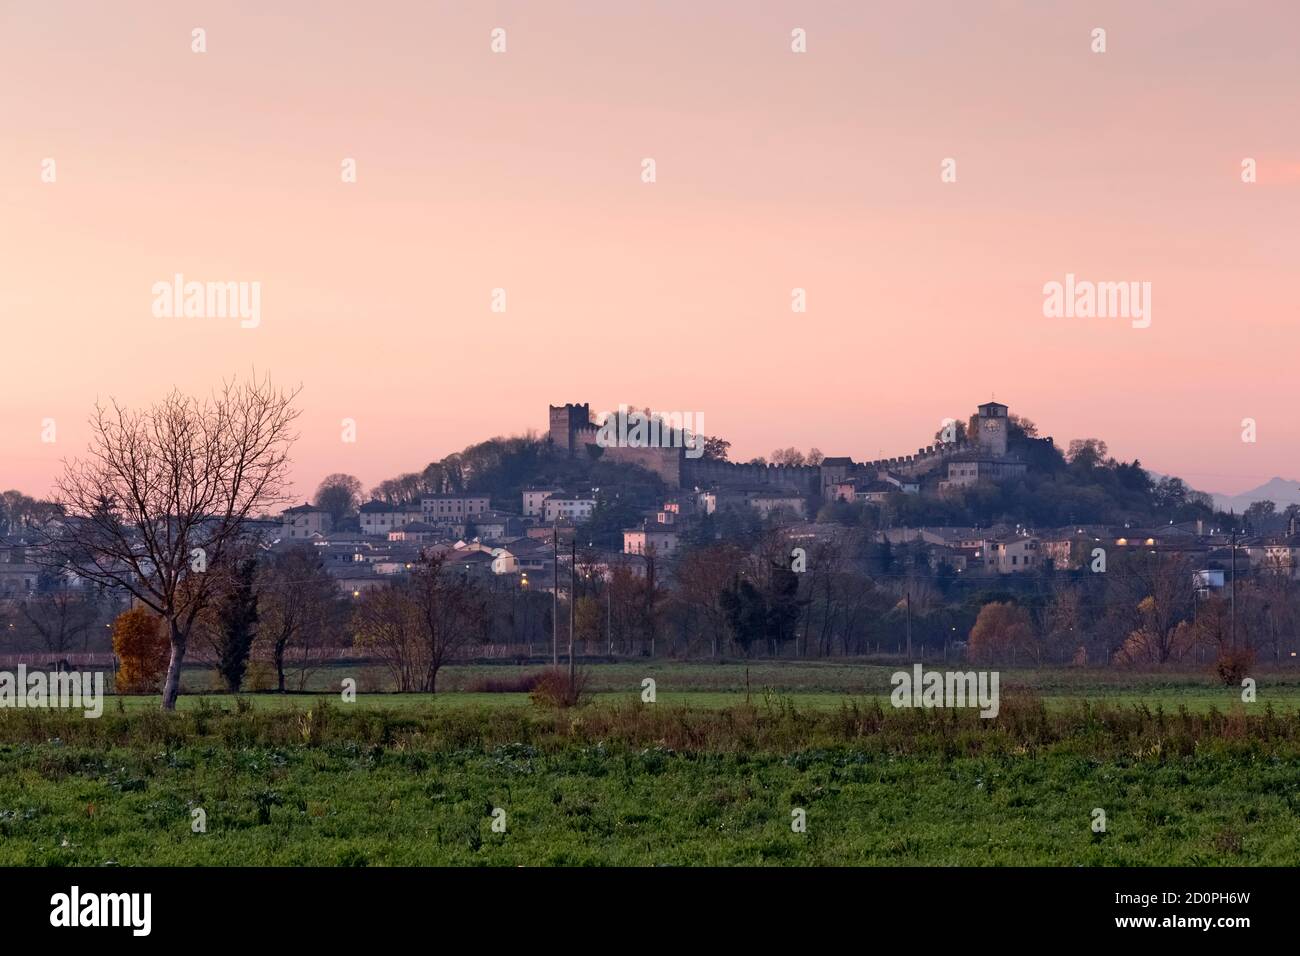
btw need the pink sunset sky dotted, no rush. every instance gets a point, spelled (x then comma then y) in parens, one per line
(775, 170)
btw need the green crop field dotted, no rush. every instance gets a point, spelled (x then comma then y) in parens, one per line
(715, 771)
(810, 684)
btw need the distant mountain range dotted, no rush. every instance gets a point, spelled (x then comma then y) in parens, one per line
(1281, 491)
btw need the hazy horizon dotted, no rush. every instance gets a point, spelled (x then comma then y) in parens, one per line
(775, 171)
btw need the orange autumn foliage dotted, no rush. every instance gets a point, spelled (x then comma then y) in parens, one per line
(142, 650)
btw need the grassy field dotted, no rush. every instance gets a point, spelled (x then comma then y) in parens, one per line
(1185, 772)
(1195, 699)
(811, 684)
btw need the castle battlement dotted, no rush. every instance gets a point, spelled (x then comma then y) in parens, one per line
(572, 429)
(925, 459)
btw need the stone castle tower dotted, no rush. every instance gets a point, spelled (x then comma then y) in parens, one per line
(570, 426)
(991, 429)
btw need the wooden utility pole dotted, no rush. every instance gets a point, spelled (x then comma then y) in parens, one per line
(573, 605)
(1233, 600)
(555, 592)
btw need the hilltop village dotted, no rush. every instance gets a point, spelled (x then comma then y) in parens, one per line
(549, 524)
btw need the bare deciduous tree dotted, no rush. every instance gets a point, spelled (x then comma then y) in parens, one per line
(702, 575)
(418, 625)
(164, 494)
(60, 618)
(1155, 593)
(339, 494)
(295, 602)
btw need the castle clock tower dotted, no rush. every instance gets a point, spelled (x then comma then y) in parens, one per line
(991, 423)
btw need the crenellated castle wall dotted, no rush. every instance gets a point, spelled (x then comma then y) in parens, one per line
(923, 462)
(704, 472)
(571, 429)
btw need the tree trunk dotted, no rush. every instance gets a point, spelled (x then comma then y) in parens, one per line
(279, 664)
(172, 685)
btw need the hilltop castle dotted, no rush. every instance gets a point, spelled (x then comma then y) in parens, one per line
(981, 456)
(571, 427)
